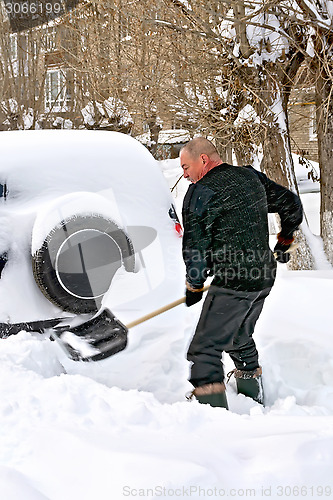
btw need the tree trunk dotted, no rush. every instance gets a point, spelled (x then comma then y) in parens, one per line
(224, 149)
(277, 160)
(324, 105)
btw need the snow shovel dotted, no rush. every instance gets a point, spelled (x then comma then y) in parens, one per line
(102, 336)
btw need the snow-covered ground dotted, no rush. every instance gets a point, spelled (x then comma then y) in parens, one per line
(121, 428)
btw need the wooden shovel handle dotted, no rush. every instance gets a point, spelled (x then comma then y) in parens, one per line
(160, 310)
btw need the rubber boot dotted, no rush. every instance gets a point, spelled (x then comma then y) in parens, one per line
(212, 394)
(249, 383)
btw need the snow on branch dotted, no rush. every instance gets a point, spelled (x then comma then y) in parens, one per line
(104, 113)
(319, 12)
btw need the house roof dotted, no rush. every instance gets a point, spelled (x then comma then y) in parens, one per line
(171, 136)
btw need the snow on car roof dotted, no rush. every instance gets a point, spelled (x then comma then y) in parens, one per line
(63, 160)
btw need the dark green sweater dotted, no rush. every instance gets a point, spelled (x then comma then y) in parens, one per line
(226, 227)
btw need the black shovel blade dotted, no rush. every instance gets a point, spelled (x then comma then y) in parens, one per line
(96, 339)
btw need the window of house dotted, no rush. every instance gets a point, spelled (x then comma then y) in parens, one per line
(313, 124)
(56, 97)
(34, 48)
(13, 46)
(124, 31)
(50, 42)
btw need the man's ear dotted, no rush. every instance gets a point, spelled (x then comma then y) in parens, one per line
(204, 158)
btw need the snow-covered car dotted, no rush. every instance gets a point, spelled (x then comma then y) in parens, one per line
(87, 221)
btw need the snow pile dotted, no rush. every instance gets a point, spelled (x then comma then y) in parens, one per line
(83, 203)
(14, 111)
(110, 110)
(109, 429)
(121, 428)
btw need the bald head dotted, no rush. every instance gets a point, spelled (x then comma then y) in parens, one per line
(197, 157)
(201, 145)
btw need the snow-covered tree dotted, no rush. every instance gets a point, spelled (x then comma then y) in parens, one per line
(319, 17)
(248, 53)
(225, 69)
(21, 80)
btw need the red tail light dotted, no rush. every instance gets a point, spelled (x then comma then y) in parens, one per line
(179, 229)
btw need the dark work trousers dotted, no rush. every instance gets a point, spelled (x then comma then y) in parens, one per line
(226, 324)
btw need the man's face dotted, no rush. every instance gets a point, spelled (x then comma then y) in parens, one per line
(192, 168)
